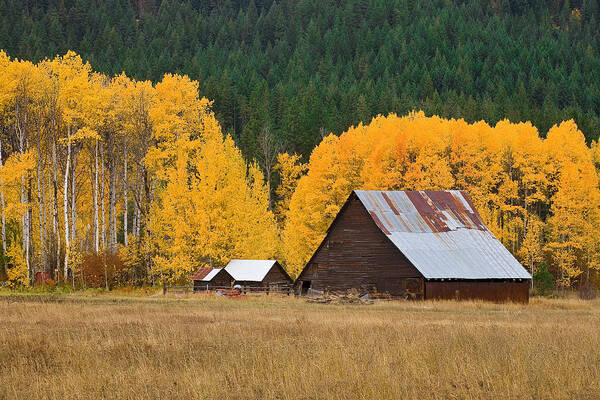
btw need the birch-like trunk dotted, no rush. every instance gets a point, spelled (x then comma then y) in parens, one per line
(24, 202)
(30, 249)
(125, 198)
(112, 201)
(55, 221)
(73, 199)
(103, 229)
(44, 210)
(66, 204)
(41, 212)
(3, 205)
(95, 190)
(137, 197)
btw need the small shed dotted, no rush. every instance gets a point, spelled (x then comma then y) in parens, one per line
(258, 273)
(420, 245)
(208, 278)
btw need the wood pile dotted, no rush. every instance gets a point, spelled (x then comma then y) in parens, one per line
(352, 297)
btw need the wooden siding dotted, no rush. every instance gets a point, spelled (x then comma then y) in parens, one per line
(496, 291)
(221, 279)
(275, 276)
(356, 254)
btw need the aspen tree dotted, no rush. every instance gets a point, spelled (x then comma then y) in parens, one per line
(211, 207)
(522, 185)
(290, 170)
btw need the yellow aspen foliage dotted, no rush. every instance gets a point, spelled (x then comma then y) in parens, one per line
(535, 194)
(13, 170)
(17, 267)
(75, 263)
(290, 169)
(531, 251)
(90, 160)
(211, 207)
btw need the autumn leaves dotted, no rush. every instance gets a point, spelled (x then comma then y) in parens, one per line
(95, 164)
(210, 206)
(539, 196)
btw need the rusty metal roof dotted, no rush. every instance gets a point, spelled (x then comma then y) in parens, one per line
(442, 234)
(201, 273)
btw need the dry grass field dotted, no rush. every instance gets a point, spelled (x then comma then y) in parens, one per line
(81, 347)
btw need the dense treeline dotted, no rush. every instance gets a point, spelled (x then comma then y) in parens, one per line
(539, 196)
(300, 69)
(109, 180)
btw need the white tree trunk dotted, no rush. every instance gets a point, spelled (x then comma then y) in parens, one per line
(54, 196)
(112, 202)
(73, 199)
(136, 197)
(103, 230)
(66, 205)
(41, 211)
(24, 198)
(125, 199)
(44, 211)
(96, 220)
(2, 204)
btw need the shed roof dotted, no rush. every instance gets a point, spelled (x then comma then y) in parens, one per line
(211, 274)
(201, 273)
(442, 234)
(249, 270)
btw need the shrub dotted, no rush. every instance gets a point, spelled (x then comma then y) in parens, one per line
(543, 280)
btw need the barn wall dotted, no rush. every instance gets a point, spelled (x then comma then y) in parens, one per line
(276, 275)
(484, 290)
(356, 254)
(222, 279)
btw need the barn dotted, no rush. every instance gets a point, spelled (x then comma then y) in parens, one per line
(414, 244)
(258, 273)
(208, 278)
(250, 273)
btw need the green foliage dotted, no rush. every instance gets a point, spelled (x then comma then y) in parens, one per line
(542, 279)
(304, 67)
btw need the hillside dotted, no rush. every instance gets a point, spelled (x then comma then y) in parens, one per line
(305, 68)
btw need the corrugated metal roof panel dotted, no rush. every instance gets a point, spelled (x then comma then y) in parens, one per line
(201, 273)
(211, 274)
(249, 270)
(442, 234)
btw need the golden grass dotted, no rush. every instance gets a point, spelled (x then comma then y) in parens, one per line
(100, 346)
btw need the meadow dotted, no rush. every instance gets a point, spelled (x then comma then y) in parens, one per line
(80, 346)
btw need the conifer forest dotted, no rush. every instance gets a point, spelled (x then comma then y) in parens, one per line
(144, 139)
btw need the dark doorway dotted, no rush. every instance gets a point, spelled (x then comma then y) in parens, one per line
(305, 287)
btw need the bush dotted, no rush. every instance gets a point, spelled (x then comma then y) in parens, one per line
(543, 280)
(98, 268)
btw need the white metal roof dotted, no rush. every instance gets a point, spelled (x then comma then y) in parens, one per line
(211, 275)
(441, 234)
(249, 270)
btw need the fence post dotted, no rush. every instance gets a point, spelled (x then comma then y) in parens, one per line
(164, 286)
